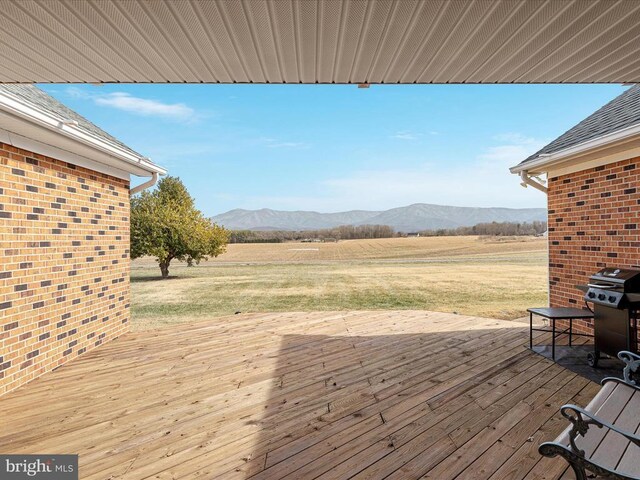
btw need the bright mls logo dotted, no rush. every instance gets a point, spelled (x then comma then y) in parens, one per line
(50, 467)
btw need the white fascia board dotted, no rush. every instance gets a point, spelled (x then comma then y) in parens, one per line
(35, 146)
(33, 115)
(544, 162)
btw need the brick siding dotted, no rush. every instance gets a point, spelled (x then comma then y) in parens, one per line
(64, 275)
(594, 222)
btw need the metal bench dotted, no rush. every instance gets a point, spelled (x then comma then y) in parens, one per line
(604, 437)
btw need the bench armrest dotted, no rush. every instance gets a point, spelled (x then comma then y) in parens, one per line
(576, 415)
(632, 367)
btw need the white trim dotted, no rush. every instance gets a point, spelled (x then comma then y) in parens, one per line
(35, 146)
(543, 163)
(527, 180)
(588, 162)
(145, 185)
(28, 113)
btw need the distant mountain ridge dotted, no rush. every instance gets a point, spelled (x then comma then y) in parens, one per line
(416, 217)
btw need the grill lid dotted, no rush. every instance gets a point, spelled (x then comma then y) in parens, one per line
(627, 279)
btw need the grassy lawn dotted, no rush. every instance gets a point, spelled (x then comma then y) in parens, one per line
(467, 275)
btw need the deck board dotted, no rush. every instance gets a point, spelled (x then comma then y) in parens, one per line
(328, 395)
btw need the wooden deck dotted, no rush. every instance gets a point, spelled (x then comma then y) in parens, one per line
(362, 395)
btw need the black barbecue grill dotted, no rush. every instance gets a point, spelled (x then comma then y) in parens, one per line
(615, 295)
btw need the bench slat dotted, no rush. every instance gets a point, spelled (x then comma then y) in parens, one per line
(601, 397)
(630, 462)
(613, 445)
(611, 404)
(609, 412)
(594, 406)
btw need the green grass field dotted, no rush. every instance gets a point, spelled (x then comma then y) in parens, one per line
(468, 275)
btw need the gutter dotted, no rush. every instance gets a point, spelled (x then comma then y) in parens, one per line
(528, 181)
(145, 185)
(71, 130)
(549, 159)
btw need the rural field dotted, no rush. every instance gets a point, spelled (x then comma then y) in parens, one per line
(490, 277)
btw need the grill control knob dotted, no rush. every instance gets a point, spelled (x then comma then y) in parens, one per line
(612, 299)
(602, 296)
(591, 294)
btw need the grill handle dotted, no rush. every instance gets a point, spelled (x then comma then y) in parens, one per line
(604, 287)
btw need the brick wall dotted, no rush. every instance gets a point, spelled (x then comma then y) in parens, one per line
(594, 221)
(64, 276)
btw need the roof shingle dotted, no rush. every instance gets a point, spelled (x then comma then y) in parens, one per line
(40, 100)
(621, 112)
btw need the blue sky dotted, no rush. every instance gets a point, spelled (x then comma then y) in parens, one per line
(336, 147)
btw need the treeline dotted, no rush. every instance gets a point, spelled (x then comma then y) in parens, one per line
(496, 229)
(351, 232)
(343, 232)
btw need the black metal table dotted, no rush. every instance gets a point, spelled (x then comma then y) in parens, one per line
(557, 313)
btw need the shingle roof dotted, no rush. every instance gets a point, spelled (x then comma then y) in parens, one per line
(40, 100)
(621, 112)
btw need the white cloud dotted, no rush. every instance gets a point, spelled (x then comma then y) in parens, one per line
(515, 139)
(409, 135)
(136, 105)
(405, 135)
(274, 143)
(514, 148)
(506, 153)
(483, 182)
(144, 106)
(76, 92)
(287, 145)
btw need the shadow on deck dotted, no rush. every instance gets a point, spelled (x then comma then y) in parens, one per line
(331, 395)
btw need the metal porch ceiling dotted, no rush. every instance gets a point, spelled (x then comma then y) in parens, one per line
(320, 41)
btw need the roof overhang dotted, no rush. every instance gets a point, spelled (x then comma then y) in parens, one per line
(616, 146)
(27, 127)
(320, 41)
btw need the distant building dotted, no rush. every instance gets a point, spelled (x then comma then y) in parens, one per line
(413, 234)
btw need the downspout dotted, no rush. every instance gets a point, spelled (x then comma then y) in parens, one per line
(145, 185)
(526, 180)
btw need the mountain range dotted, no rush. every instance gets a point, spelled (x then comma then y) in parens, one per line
(416, 217)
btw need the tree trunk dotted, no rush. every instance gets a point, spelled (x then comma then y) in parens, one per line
(164, 268)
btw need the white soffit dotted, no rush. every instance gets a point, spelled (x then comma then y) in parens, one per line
(64, 145)
(57, 146)
(320, 41)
